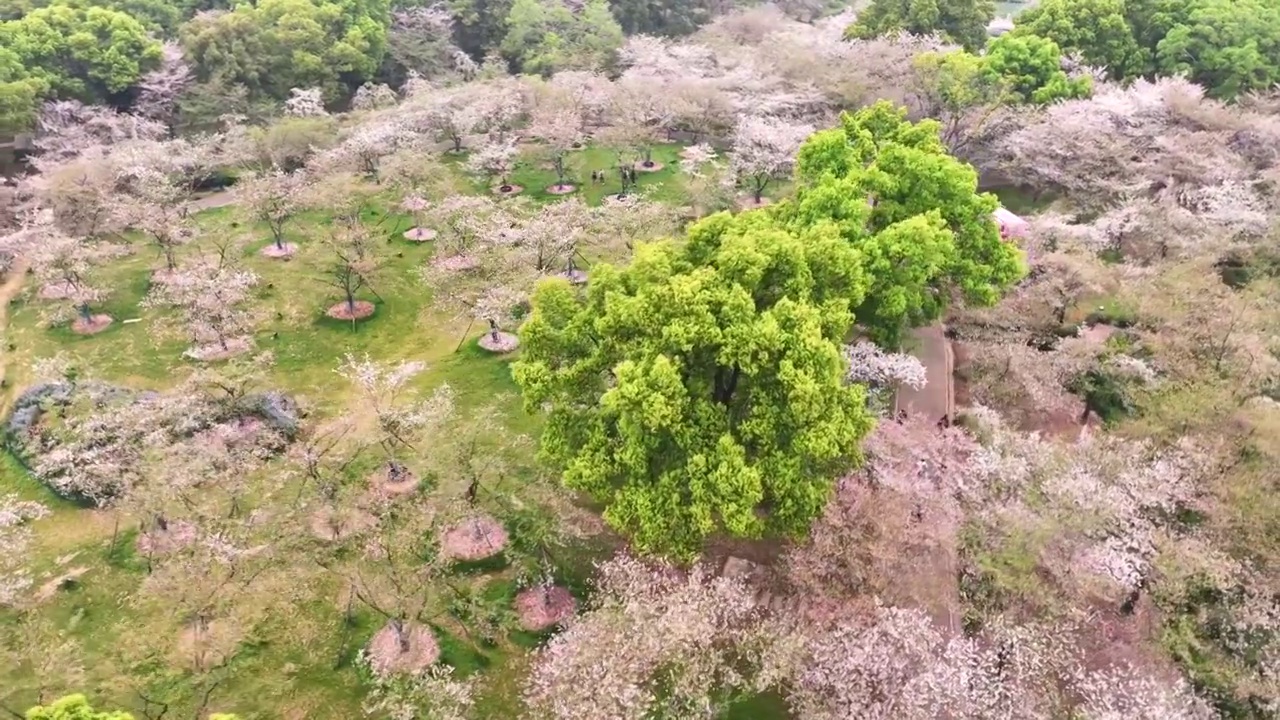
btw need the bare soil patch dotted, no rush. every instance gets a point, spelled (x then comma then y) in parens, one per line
(90, 326)
(651, 167)
(388, 655)
(47, 590)
(391, 483)
(544, 606)
(216, 351)
(575, 276)
(456, 263)
(420, 234)
(499, 342)
(279, 252)
(1097, 334)
(564, 189)
(332, 526)
(163, 276)
(56, 291)
(358, 310)
(475, 538)
(508, 190)
(749, 203)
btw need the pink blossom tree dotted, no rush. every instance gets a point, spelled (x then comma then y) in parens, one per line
(66, 267)
(305, 102)
(764, 149)
(210, 298)
(354, 265)
(493, 162)
(655, 642)
(16, 538)
(274, 198)
(558, 122)
(160, 89)
(401, 418)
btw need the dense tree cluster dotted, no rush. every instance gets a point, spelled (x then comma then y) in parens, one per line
(714, 251)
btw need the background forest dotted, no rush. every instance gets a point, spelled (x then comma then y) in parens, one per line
(640, 359)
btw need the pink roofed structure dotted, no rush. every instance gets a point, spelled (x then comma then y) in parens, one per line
(1011, 226)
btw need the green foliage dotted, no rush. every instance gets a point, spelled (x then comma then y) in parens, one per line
(1097, 29)
(1030, 68)
(277, 45)
(19, 93)
(545, 36)
(930, 230)
(76, 707)
(91, 54)
(962, 21)
(1228, 46)
(482, 24)
(701, 388)
(671, 18)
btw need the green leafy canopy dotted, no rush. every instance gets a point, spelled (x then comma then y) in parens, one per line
(701, 388)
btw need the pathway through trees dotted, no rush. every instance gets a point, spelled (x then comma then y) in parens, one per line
(937, 398)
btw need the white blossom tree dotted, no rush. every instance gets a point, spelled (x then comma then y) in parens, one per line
(15, 541)
(274, 198)
(656, 642)
(494, 161)
(305, 102)
(66, 267)
(160, 89)
(210, 298)
(764, 150)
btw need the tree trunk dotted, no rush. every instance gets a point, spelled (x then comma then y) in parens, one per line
(402, 634)
(493, 330)
(86, 312)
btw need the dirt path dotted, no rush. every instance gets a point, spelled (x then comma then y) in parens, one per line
(8, 291)
(213, 200)
(937, 398)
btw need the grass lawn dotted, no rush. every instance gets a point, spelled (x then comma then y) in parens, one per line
(300, 664)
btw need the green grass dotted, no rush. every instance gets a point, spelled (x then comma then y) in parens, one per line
(299, 662)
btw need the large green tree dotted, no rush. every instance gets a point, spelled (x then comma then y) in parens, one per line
(1228, 46)
(1030, 68)
(91, 54)
(19, 93)
(276, 45)
(701, 388)
(672, 18)
(912, 211)
(962, 21)
(1096, 29)
(545, 36)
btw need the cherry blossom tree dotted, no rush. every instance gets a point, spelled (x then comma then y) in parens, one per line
(305, 102)
(401, 418)
(656, 642)
(464, 221)
(431, 695)
(353, 266)
(374, 96)
(365, 148)
(210, 298)
(558, 122)
(66, 268)
(160, 89)
(708, 180)
(274, 198)
(640, 113)
(67, 128)
(16, 542)
(494, 161)
(81, 194)
(764, 150)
